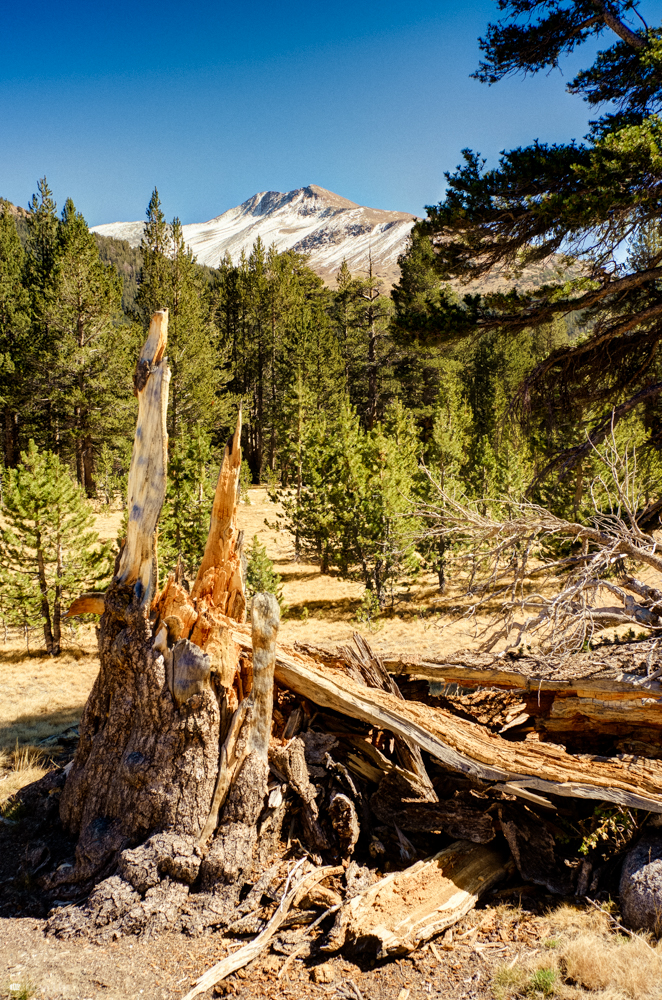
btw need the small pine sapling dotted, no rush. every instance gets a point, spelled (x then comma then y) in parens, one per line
(261, 576)
(49, 551)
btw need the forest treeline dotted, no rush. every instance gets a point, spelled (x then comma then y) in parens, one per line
(360, 405)
(351, 414)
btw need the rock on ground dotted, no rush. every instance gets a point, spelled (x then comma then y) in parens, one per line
(641, 884)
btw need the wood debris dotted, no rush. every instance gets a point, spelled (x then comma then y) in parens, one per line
(211, 756)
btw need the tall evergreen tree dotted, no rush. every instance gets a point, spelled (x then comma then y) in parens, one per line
(196, 375)
(155, 246)
(184, 521)
(15, 340)
(38, 417)
(83, 307)
(353, 510)
(574, 204)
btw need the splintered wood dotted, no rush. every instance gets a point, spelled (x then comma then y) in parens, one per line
(147, 472)
(406, 908)
(217, 593)
(469, 748)
(219, 580)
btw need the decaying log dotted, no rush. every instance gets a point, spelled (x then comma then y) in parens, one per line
(398, 801)
(618, 706)
(290, 761)
(487, 671)
(406, 908)
(249, 952)
(534, 850)
(466, 747)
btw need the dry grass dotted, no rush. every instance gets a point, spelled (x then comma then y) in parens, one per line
(42, 697)
(20, 767)
(584, 958)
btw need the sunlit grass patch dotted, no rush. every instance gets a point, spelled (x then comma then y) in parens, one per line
(18, 768)
(583, 958)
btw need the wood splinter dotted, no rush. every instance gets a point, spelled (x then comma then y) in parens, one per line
(251, 725)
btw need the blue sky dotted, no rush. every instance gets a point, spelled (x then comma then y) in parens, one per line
(212, 102)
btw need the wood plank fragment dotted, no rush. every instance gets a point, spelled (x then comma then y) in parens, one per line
(406, 908)
(86, 604)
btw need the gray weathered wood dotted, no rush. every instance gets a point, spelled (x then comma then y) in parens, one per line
(147, 473)
(467, 747)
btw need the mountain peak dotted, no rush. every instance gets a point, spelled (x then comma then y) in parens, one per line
(311, 220)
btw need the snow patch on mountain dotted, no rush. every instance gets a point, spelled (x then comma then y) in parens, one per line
(310, 220)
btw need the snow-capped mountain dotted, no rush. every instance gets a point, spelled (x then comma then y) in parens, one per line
(309, 220)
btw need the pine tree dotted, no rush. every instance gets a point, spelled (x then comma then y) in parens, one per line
(444, 455)
(568, 210)
(354, 510)
(155, 246)
(48, 550)
(261, 577)
(197, 376)
(42, 241)
(38, 418)
(184, 521)
(91, 379)
(15, 340)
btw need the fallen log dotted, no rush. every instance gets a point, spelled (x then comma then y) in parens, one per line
(571, 710)
(406, 908)
(467, 747)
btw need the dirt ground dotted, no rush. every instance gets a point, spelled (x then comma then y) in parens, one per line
(42, 698)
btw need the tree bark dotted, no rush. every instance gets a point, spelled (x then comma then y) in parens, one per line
(45, 609)
(150, 738)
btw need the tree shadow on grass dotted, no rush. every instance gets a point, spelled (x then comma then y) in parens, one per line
(31, 728)
(69, 652)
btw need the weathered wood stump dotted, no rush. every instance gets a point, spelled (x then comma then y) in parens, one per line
(170, 777)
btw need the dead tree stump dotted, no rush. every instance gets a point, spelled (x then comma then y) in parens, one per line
(170, 777)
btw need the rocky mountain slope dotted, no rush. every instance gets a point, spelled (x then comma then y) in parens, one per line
(308, 220)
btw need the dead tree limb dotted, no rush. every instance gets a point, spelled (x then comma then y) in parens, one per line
(249, 952)
(506, 542)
